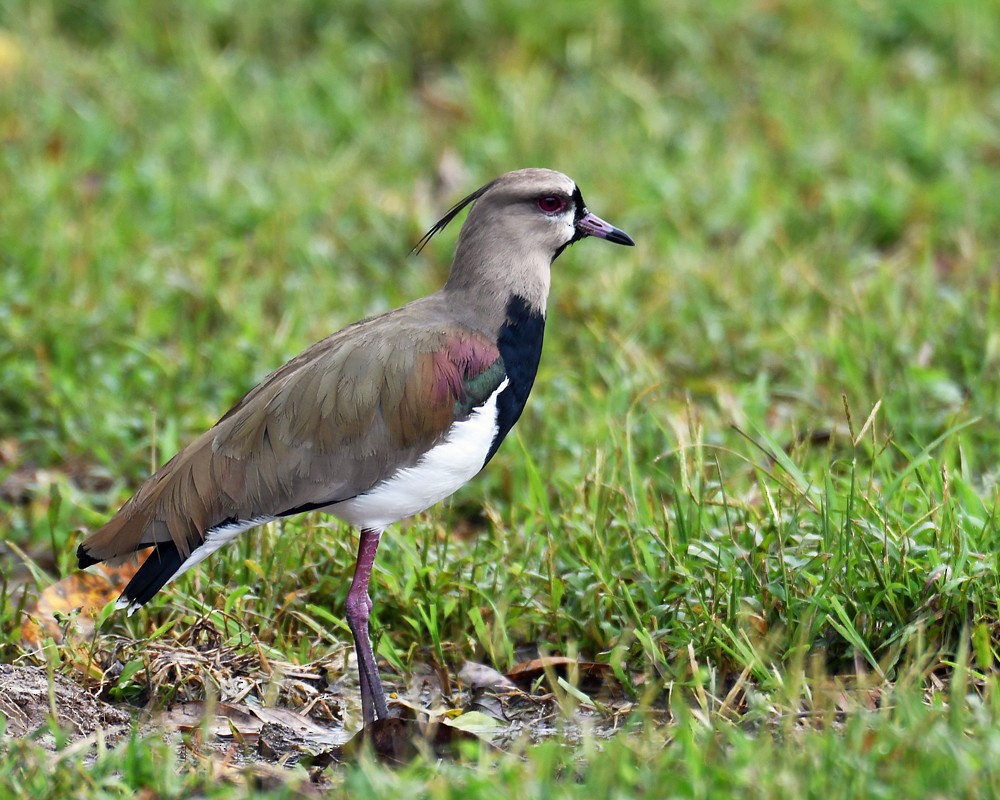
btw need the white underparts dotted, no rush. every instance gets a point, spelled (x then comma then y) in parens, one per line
(441, 471)
(219, 537)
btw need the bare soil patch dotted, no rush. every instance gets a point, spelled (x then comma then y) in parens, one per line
(30, 700)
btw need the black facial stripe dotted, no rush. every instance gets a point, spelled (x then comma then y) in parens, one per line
(578, 213)
(581, 207)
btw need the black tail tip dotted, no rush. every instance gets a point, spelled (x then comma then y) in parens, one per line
(85, 558)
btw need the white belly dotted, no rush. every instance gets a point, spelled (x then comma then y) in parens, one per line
(438, 474)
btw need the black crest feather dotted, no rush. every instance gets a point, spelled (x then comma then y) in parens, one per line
(453, 212)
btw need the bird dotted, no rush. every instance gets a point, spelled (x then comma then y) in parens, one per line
(378, 421)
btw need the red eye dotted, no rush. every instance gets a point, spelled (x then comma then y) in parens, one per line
(550, 204)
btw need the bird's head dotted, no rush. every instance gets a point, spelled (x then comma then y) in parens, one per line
(517, 226)
(531, 210)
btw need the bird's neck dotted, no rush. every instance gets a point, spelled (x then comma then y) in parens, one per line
(488, 280)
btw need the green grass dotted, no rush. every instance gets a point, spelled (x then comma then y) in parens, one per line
(696, 493)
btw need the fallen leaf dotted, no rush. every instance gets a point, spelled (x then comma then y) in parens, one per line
(86, 592)
(300, 725)
(225, 718)
(248, 719)
(528, 672)
(486, 702)
(481, 676)
(475, 722)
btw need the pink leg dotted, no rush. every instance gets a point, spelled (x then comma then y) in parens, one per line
(358, 607)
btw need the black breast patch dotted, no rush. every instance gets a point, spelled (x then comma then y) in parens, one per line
(520, 346)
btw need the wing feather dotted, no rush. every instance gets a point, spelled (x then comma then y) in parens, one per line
(327, 426)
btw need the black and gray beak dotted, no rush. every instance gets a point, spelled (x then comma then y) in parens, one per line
(592, 225)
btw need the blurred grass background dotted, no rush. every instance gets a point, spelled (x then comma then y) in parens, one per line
(191, 193)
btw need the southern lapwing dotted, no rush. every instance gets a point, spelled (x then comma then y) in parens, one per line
(377, 422)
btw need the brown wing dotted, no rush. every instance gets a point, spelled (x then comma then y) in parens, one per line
(327, 426)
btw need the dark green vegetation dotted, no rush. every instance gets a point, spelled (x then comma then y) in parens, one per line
(759, 468)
